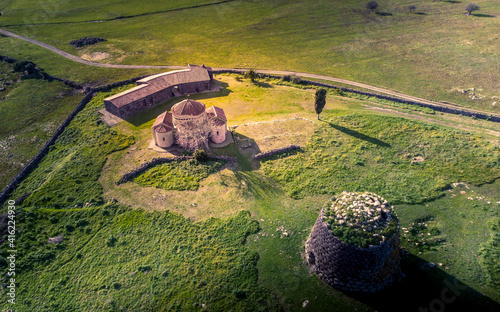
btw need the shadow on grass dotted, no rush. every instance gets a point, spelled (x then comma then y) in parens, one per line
(358, 135)
(383, 13)
(483, 15)
(420, 13)
(427, 289)
(258, 185)
(263, 84)
(150, 114)
(453, 1)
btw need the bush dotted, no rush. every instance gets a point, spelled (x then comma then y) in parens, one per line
(239, 294)
(296, 80)
(471, 7)
(82, 222)
(372, 5)
(69, 227)
(200, 155)
(144, 268)
(116, 285)
(111, 241)
(287, 78)
(412, 8)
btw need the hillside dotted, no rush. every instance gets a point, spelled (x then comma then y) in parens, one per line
(432, 53)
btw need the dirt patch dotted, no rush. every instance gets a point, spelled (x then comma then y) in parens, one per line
(96, 56)
(267, 136)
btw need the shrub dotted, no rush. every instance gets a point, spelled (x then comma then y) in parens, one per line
(200, 155)
(111, 241)
(239, 294)
(287, 78)
(412, 8)
(116, 285)
(372, 5)
(144, 268)
(69, 227)
(82, 222)
(296, 80)
(471, 7)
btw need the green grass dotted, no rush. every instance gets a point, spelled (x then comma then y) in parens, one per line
(114, 258)
(490, 253)
(107, 250)
(31, 111)
(464, 223)
(62, 67)
(375, 154)
(430, 55)
(179, 175)
(68, 175)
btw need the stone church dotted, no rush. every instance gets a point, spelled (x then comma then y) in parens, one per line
(189, 124)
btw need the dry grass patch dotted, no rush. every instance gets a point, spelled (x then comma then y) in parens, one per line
(277, 134)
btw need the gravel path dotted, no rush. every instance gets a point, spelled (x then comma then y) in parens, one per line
(271, 72)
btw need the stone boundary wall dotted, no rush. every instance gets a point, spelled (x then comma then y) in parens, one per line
(158, 161)
(276, 151)
(43, 151)
(439, 108)
(351, 268)
(4, 195)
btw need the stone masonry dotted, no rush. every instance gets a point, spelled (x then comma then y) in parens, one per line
(352, 268)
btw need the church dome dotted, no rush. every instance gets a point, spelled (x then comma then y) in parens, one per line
(188, 108)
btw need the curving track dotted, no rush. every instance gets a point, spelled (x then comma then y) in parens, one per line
(271, 72)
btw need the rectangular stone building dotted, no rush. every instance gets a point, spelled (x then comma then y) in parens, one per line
(156, 89)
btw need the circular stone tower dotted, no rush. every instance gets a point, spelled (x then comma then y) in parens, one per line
(354, 244)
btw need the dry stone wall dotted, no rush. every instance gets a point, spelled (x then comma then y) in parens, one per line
(276, 151)
(351, 268)
(158, 161)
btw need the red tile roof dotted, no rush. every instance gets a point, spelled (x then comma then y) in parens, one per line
(163, 123)
(188, 107)
(216, 115)
(155, 83)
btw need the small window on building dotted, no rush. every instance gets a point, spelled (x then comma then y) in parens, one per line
(217, 133)
(163, 139)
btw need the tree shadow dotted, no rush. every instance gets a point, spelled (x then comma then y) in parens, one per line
(420, 13)
(383, 13)
(427, 289)
(453, 1)
(257, 184)
(263, 84)
(358, 135)
(483, 15)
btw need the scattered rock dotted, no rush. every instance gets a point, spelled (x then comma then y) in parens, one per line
(55, 240)
(305, 303)
(417, 160)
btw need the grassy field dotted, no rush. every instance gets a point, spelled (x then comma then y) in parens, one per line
(137, 253)
(381, 155)
(431, 53)
(68, 175)
(109, 263)
(181, 175)
(31, 111)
